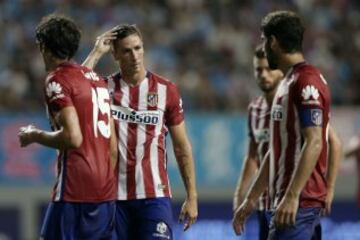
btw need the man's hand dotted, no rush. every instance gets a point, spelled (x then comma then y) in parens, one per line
(189, 212)
(104, 41)
(241, 214)
(328, 202)
(285, 214)
(26, 135)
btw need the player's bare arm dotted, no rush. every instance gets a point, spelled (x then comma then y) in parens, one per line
(285, 213)
(248, 172)
(335, 156)
(184, 158)
(249, 203)
(69, 136)
(102, 46)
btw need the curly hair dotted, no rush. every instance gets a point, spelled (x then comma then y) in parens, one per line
(59, 35)
(286, 27)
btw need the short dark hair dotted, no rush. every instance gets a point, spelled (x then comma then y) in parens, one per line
(286, 27)
(259, 52)
(59, 34)
(125, 30)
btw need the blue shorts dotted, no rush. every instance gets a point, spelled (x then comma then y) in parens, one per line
(68, 221)
(306, 221)
(263, 225)
(144, 219)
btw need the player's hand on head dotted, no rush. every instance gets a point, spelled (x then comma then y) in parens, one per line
(104, 41)
(240, 216)
(26, 135)
(188, 213)
(285, 213)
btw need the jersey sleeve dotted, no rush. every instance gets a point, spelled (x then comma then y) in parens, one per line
(309, 99)
(250, 131)
(58, 94)
(174, 113)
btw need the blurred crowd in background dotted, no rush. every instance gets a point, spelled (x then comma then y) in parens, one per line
(204, 46)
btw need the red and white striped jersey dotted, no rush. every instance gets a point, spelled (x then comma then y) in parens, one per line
(258, 125)
(143, 114)
(302, 100)
(85, 173)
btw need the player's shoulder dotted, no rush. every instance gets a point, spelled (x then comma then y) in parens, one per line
(307, 70)
(160, 79)
(256, 102)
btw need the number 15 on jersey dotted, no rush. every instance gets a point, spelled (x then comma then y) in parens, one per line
(100, 100)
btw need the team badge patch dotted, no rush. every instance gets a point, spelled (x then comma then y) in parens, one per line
(152, 99)
(316, 116)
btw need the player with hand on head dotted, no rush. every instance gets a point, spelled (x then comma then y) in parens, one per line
(146, 107)
(78, 106)
(296, 167)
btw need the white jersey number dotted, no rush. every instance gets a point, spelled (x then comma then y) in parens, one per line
(99, 97)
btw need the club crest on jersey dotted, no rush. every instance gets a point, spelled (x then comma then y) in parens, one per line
(310, 95)
(152, 99)
(316, 116)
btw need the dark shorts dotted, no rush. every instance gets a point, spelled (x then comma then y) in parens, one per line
(68, 221)
(263, 225)
(144, 219)
(306, 221)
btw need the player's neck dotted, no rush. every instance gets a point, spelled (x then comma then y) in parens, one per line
(53, 63)
(134, 79)
(288, 60)
(269, 96)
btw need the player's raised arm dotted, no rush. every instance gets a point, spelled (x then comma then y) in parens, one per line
(184, 158)
(334, 160)
(248, 172)
(69, 135)
(102, 46)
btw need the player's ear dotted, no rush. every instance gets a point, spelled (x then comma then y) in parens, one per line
(274, 43)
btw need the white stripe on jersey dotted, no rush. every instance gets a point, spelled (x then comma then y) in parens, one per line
(141, 138)
(284, 143)
(154, 158)
(123, 132)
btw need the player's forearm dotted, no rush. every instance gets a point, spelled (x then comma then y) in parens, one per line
(92, 59)
(185, 162)
(58, 139)
(335, 156)
(307, 162)
(247, 174)
(260, 183)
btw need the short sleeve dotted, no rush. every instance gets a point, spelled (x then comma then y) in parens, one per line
(250, 131)
(58, 94)
(310, 99)
(174, 113)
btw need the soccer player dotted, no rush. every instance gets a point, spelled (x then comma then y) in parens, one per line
(146, 107)
(296, 167)
(258, 126)
(78, 105)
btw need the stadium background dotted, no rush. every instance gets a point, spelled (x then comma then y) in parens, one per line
(205, 47)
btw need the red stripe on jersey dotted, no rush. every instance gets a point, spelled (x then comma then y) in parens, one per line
(131, 145)
(276, 151)
(291, 145)
(146, 163)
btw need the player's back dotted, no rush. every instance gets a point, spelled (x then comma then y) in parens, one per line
(85, 173)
